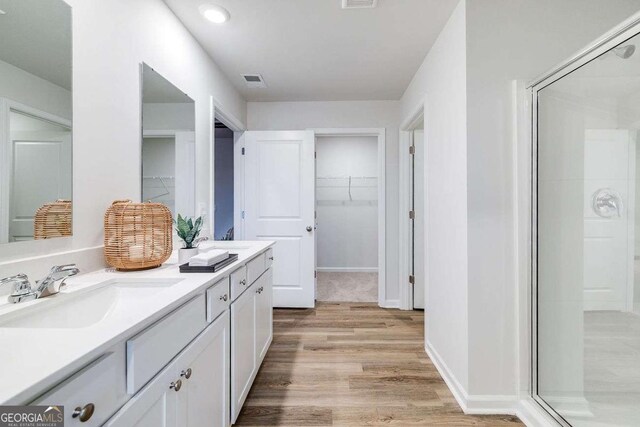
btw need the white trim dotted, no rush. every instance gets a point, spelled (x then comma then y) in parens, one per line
(532, 414)
(217, 110)
(347, 269)
(409, 124)
(382, 201)
(391, 303)
(471, 404)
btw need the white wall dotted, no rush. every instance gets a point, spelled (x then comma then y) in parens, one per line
(345, 114)
(442, 78)
(25, 88)
(347, 236)
(107, 124)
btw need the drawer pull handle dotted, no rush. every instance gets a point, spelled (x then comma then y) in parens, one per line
(224, 297)
(176, 385)
(186, 374)
(270, 258)
(243, 282)
(84, 413)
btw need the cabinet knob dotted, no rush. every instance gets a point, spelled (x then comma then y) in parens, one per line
(243, 282)
(270, 258)
(187, 373)
(224, 297)
(176, 385)
(84, 413)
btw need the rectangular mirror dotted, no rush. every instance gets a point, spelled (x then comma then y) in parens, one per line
(35, 120)
(168, 144)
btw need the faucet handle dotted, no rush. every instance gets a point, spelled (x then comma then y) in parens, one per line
(22, 289)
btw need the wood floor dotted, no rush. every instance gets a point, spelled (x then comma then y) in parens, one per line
(352, 364)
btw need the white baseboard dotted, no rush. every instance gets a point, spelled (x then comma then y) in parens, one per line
(347, 269)
(533, 415)
(391, 303)
(471, 404)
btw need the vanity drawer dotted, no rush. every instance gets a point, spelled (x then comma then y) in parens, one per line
(217, 299)
(238, 281)
(153, 348)
(255, 268)
(268, 258)
(100, 387)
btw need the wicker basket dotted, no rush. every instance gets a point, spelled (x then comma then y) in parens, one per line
(53, 220)
(137, 235)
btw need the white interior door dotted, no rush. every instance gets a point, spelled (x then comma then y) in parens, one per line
(279, 206)
(40, 173)
(609, 171)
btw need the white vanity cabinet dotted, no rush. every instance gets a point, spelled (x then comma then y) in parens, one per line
(251, 335)
(191, 367)
(192, 391)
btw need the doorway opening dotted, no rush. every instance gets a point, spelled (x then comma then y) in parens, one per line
(223, 207)
(413, 277)
(347, 218)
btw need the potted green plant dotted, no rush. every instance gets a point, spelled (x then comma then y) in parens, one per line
(188, 230)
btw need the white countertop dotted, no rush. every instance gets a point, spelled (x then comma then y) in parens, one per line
(35, 359)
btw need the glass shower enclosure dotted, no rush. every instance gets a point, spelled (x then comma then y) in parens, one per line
(585, 277)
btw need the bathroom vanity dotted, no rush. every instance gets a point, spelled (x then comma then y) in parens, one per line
(151, 348)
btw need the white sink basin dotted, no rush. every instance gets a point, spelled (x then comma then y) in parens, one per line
(87, 307)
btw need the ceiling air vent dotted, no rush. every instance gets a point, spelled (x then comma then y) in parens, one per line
(254, 80)
(359, 4)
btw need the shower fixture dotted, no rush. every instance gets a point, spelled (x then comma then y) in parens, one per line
(625, 52)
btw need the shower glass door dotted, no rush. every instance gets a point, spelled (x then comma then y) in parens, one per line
(586, 275)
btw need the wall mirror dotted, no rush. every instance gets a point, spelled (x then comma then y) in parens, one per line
(168, 144)
(35, 120)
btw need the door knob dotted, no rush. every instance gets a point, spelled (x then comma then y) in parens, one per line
(309, 228)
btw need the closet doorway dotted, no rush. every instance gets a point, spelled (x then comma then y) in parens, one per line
(350, 216)
(223, 206)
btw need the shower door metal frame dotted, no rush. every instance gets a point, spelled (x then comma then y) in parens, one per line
(626, 30)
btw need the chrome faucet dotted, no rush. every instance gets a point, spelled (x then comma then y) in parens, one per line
(50, 285)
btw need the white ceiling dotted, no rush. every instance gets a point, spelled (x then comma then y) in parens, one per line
(35, 36)
(313, 50)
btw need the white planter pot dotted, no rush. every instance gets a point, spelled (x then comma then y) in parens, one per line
(184, 255)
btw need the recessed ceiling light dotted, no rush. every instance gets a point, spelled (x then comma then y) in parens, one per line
(214, 13)
(2, 12)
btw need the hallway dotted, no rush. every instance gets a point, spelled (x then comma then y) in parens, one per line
(352, 364)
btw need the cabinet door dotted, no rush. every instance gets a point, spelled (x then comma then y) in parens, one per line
(154, 406)
(206, 397)
(243, 351)
(264, 316)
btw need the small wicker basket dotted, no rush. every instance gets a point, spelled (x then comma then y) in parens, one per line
(137, 235)
(53, 220)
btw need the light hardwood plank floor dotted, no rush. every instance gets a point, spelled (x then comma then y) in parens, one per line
(352, 364)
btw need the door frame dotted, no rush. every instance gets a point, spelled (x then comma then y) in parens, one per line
(411, 122)
(217, 110)
(6, 152)
(380, 134)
